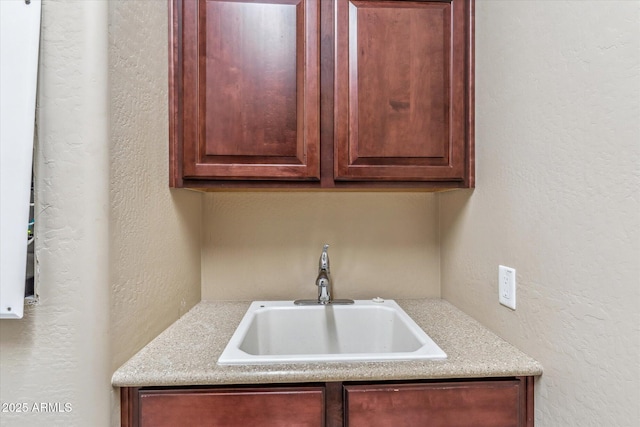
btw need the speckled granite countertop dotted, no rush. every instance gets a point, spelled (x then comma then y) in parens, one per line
(186, 353)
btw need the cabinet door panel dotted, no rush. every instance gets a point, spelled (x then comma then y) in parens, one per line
(264, 407)
(250, 89)
(400, 90)
(480, 404)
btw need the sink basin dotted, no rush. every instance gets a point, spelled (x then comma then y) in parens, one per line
(368, 330)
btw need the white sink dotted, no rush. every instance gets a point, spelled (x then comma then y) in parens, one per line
(281, 332)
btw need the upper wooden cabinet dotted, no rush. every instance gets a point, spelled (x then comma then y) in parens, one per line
(245, 83)
(321, 94)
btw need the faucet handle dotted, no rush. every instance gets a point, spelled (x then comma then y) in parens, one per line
(323, 264)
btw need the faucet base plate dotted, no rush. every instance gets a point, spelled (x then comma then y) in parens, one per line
(316, 302)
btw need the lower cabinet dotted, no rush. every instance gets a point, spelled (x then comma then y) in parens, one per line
(447, 404)
(230, 407)
(502, 402)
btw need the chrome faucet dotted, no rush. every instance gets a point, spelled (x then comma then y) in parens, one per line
(324, 284)
(323, 281)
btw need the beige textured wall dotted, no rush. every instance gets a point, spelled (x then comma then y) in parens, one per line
(118, 252)
(267, 245)
(557, 198)
(155, 231)
(59, 352)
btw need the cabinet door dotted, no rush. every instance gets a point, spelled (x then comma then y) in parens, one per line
(245, 90)
(259, 407)
(454, 404)
(403, 91)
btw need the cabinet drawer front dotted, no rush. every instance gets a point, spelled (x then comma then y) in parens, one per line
(264, 407)
(477, 404)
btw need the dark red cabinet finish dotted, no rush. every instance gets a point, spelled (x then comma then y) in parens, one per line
(321, 94)
(245, 90)
(489, 402)
(454, 404)
(400, 91)
(229, 407)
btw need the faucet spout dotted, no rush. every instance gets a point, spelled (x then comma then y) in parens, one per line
(323, 264)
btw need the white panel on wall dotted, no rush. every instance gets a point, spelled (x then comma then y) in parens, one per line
(19, 41)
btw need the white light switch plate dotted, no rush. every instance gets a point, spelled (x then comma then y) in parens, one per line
(507, 286)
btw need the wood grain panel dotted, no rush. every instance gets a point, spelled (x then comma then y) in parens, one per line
(259, 407)
(395, 109)
(400, 90)
(251, 89)
(489, 402)
(129, 407)
(249, 101)
(333, 405)
(401, 62)
(456, 404)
